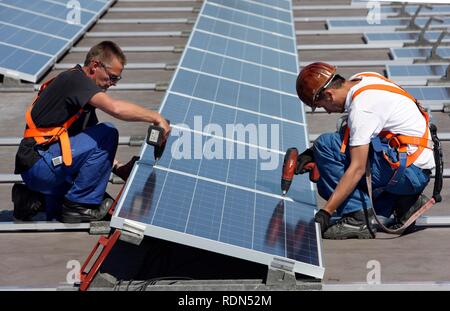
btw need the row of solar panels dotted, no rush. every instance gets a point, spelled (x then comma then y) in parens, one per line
(411, 74)
(34, 34)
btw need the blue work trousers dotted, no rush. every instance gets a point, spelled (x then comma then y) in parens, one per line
(332, 165)
(85, 181)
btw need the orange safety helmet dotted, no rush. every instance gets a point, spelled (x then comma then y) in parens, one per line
(312, 80)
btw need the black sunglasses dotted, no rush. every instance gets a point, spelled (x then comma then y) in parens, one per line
(113, 78)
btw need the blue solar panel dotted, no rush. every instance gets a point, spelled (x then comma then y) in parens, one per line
(19, 60)
(243, 33)
(255, 8)
(248, 52)
(430, 93)
(416, 70)
(401, 36)
(41, 28)
(50, 10)
(212, 211)
(30, 40)
(234, 94)
(419, 52)
(234, 111)
(254, 21)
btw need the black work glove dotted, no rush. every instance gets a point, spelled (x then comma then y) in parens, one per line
(304, 158)
(323, 218)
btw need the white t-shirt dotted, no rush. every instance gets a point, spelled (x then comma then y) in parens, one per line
(373, 111)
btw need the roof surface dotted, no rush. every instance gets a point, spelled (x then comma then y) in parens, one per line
(39, 259)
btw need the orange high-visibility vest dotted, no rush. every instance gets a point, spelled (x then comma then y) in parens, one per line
(397, 141)
(48, 135)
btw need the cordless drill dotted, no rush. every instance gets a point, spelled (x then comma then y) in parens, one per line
(290, 167)
(155, 137)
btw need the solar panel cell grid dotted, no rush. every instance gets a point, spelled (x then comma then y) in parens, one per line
(226, 214)
(244, 19)
(254, 8)
(419, 52)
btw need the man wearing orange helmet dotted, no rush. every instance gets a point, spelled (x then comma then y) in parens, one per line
(387, 132)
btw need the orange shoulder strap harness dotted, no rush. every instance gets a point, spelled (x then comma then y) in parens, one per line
(396, 141)
(48, 135)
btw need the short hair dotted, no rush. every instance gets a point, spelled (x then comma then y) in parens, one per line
(104, 52)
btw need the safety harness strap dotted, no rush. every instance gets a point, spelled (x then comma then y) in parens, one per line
(396, 141)
(411, 219)
(48, 135)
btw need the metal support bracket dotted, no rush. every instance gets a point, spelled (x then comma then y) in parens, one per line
(178, 49)
(434, 56)
(136, 141)
(444, 80)
(170, 66)
(280, 273)
(412, 23)
(132, 232)
(421, 40)
(402, 10)
(161, 86)
(185, 33)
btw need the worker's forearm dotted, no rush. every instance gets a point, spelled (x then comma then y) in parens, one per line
(128, 111)
(344, 188)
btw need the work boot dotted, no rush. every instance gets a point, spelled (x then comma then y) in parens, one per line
(405, 207)
(352, 226)
(73, 212)
(27, 203)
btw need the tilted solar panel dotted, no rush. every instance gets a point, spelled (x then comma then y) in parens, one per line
(234, 111)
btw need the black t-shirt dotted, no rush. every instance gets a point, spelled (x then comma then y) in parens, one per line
(60, 100)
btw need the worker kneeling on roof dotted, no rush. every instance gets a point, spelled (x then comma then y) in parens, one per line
(66, 156)
(386, 130)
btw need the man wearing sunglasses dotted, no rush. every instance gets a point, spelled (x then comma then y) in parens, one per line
(387, 134)
(66, 156)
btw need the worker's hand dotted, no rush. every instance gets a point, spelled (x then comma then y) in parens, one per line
(124, 170)
(323, 218)
(165, 125)
(304, 158)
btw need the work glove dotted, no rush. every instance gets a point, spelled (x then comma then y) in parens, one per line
(304, 158)
(323, 218)
(124, 170)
